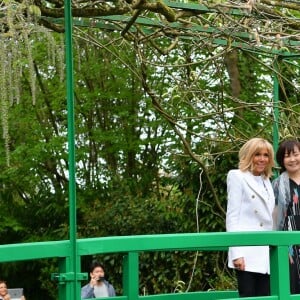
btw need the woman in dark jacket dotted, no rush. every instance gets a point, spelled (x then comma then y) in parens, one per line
(287, 193)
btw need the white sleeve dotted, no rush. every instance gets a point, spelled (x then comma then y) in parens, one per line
(234, 200)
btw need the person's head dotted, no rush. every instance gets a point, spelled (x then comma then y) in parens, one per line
(288, 155)
(3, 288)
(257, 156)
(96, 270)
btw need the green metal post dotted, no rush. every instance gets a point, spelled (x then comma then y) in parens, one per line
(280, 277)
(275, 111)
(131, 275)
(63, 289)
(73, 265)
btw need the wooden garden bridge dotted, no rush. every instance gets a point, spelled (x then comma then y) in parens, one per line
(69, 252)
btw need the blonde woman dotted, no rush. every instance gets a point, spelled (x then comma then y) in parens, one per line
(250, 207)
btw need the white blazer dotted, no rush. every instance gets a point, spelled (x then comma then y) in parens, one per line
(250, 206)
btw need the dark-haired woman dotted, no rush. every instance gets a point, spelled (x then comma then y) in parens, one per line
(287, 192)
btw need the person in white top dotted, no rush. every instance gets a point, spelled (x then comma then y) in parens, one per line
(250, 207)
(3, 291)
(4, 295)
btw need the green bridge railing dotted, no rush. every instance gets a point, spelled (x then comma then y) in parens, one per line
(69, 252)
(69, 281)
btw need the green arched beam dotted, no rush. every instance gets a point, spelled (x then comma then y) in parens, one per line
(238, 40)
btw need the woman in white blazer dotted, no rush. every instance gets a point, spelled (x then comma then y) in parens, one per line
(250, 206)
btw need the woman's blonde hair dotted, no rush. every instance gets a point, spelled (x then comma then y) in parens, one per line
(249, 149)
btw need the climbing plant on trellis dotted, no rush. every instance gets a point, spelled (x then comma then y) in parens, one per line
(180, 35)
(209, 68)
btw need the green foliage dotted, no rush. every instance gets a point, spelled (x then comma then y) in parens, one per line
(134, 110)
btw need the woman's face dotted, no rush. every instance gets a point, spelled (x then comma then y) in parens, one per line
(3, 289)
(260, 161)
(291, 161)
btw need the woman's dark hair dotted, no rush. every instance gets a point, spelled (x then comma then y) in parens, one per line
(286, 147)
(95, 264)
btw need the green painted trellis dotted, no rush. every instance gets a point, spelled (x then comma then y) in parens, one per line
(279, 266)
(69, 252)
(280, 284)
